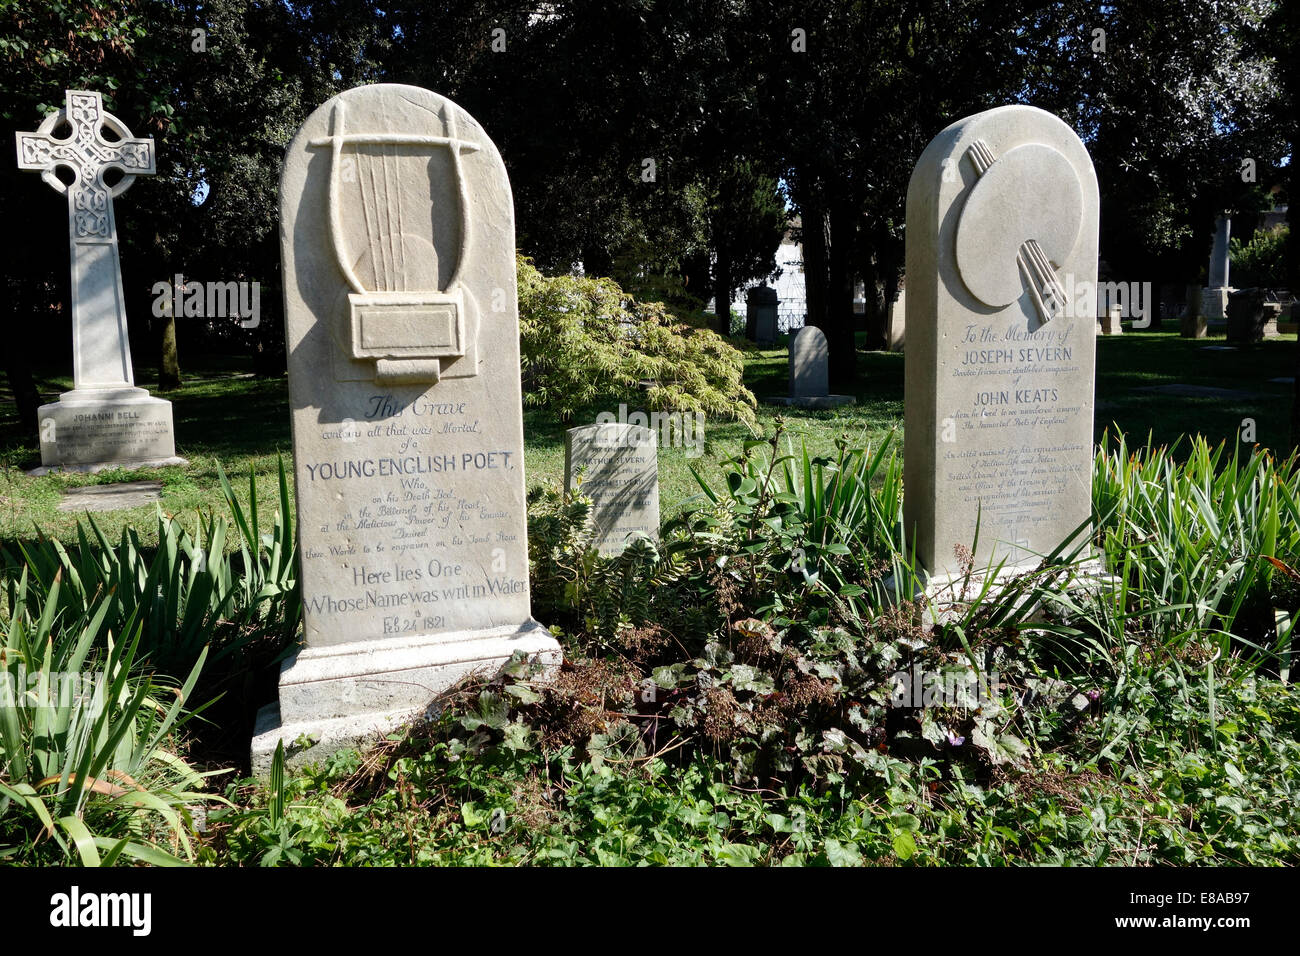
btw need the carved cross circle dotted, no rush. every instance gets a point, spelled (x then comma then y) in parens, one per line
(89, 155)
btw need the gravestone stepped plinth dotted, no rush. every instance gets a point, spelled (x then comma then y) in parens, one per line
(402, 326)
(105, 421)
(810, 373)
(1001, 220)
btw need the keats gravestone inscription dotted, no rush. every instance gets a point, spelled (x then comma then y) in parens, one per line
(1001, 300)
(403, 335)
(619, 469)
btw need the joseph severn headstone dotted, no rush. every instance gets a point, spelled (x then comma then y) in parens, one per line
(616, 465)
(398, 245)
(1001, 300)
(105, 421)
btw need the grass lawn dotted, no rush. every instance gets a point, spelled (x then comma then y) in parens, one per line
(225, 415)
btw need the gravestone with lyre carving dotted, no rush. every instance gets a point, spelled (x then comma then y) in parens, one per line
(105, 421)
(1001, 322)
(402, 326)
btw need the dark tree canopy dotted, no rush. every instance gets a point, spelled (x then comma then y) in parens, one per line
(665, 142)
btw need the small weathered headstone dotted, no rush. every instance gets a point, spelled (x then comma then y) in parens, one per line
(105, 421)
(402, 326)
(1001, 302)
(897, 332)
(1110, 322)
(810, 373)
(616, 465)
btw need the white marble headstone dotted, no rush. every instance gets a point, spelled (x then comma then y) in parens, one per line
(398, 244)
(1001, 287)
(618, 467)
(105, 421)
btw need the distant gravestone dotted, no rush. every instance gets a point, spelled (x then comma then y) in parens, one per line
(810, 373)
(105, 421)
(1110, 322)
(401, 316)
(897, 331)
(618, 467)
(1247, 316)
(761, 311)
(1001, 318)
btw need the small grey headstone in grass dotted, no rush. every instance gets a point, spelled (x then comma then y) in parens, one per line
(402, 325)
(115, 497)
(1001, 325)
(810, 373)
(105, 421)
(618, 465)
(1110, 322)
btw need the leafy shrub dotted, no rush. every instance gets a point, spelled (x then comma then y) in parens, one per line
(583, 342)
(1261, 262)
(726, 695)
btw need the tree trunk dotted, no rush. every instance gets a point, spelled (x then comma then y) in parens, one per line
(875, 318)
(169, 363)
(840, 320)
(814, 265)
(19, 370)
(722, 289)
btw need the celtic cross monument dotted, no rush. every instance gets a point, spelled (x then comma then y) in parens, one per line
(105, 421)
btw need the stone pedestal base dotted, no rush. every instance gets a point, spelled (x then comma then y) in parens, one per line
(811, 401)
(92, 429)
(343, 695)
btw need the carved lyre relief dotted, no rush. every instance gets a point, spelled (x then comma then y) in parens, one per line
(1020, 223)
(405, 321)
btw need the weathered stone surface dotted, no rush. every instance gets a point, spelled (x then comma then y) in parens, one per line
(105, 421)
(115, 497)
(1001, 319)
(403, 335)
(618, 467)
